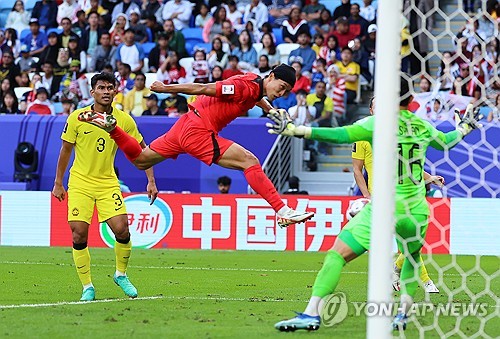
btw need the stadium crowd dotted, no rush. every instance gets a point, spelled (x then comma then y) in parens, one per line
(49, 52)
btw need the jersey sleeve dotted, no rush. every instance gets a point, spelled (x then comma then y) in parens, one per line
(329, 104)
(69, 132)
(440, 140)
(130, 127)
(361, 131)
(358, 151)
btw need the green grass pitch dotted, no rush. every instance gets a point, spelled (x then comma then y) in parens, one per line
(205, 294)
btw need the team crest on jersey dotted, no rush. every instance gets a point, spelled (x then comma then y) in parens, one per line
(227, 89)
(75, 212)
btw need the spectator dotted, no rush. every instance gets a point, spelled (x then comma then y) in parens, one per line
(95, 7)
(18, 18)
(29, 97)
(469, 85)
(344, 10)
(330, 52)
(175, 39)
(361, 57)
(217, 57)
(232, 68)
(140, 32)
(91, 36)
(118, 29)
(50, 52)
(81, 22)
(319, 73)
(405, 45)
(67, 9)
(202, 18)
(257, 11)
(74, 85)
(357, 24)
(130, 52)
(302, 114)
(159, 53)
(216, 74)
(342, 32)
(107, 4)
(200, 71)
(134, 102)
(173, 103)
(480, 65)
(214, 26)
(269, 49)
(305, 52)
(66, 34)
(324, 25)
(294, 26)
(5, 86)
(104, 54)
(370, 43)
(335, 89)
(250, 27)
(42, 104)
(319, 41)
(313, 12)
(25, 79)
(61, 66)
(457, 85)
(263, 68)
(46, 13)
(126, 7)
(494, 114)
(247, 55)
(49, 81)
(171, 72)
(9, 70)
(323, 105)
(368, 11)
(233, 14)
(75, 53)
(293, 187)
(349, 70)
(224, 184)
(302, 82)
(68, 106)
(85, 4)
(125, 78)
(179, 11)
(280, 10)
(149, 8)
(152, 108)
(26, 62)
(425, 84)
(12, 41)
(447, 72)
(10, 103)
(229, 37)
(154, 26)
(35, 39)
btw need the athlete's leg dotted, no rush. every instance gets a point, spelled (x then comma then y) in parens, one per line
(398, 264)
(81, 255)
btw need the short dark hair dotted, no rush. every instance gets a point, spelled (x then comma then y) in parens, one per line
(92, 12)
(224, 180)
(80, 12)
(127, 66)
(301, 92)
(140, 74)
(345, 48)
(233, 58)
(129, 30)
(103, 76)
(356, 5)
(405, 89)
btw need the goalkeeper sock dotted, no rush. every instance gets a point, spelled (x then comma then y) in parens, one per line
(399, 262)
(81, 258)
(424, 276)
(126, 143)
(409, 274)
(261, 184)
(123, 248)
(329, 275)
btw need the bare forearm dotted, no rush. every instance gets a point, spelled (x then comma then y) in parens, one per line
(265, 105)
(361, 182)
(62, 164)
(149, 172)
(190, 88)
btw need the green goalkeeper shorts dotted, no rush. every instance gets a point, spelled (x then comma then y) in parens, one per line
(410, 231)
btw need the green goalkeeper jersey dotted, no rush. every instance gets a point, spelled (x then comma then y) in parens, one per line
(414, 136)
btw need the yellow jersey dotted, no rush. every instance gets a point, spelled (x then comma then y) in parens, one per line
(95, 151)
(362, 150)
(351, 68)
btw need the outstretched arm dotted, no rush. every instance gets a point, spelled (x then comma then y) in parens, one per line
(151, 187)
(191, 88)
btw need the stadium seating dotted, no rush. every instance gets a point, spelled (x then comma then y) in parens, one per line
(255, 112)
(147, 47)
(186, 63)
(285, 50)
(193, 33)
(29, 4)
(19, 91)
(278, 34)
(5, 8)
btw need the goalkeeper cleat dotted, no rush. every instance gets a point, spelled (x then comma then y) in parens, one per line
(88, 294)
(293, 217)
(102, 120)
(300, 322)
(396, 284)
(430, 287)
(125, 285)
(399, 322)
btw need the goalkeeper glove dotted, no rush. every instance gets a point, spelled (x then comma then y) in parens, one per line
(469, 121)
(283, 125)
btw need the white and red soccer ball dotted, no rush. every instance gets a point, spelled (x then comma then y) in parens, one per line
(355, 206)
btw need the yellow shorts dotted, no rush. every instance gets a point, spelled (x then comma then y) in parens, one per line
(81, 204)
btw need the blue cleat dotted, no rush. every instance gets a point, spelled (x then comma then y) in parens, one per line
(300, 322)
(88, 294)
(125, 285)
(399, 322)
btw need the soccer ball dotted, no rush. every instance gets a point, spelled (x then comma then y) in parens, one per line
(355, 207)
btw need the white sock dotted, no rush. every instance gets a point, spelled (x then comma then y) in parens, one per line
(120, 274)
(313, 308)
(283, 210)
(87, 286)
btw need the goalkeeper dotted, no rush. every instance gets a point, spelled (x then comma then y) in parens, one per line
(362, 157)
(412, 211)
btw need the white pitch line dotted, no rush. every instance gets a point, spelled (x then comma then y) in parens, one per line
(67, 303)
(203, 268)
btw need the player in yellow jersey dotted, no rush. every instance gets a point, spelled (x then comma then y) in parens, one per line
(362, 158)
(93, 182)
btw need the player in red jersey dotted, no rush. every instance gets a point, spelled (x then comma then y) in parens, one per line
(196, 133)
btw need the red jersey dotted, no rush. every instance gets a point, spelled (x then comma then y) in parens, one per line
(234, 96)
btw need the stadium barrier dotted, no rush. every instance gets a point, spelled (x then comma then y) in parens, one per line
(239, 222)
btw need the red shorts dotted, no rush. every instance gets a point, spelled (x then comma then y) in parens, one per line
(189, 135)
